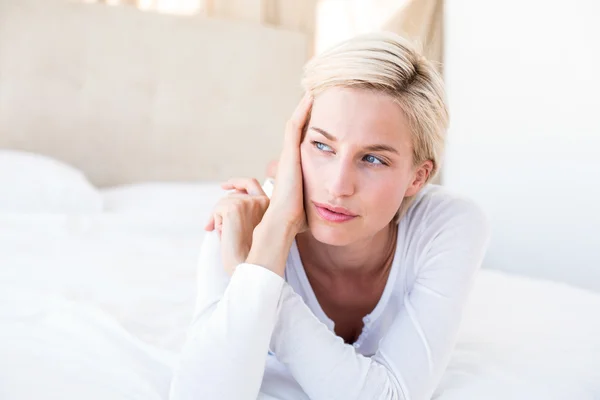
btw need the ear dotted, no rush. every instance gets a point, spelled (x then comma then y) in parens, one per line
(420, 176)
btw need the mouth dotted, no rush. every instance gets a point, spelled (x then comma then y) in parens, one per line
(334, 214)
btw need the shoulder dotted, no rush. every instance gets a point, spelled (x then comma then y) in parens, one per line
(442, 218)
(445, 236)
(437, 204)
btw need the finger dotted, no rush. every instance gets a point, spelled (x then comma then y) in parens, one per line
(242, 185)
(250, 186)
(299, 114)
(218, 222)
(210, 225)
(228, 185)
(298, 120)
(215, 214)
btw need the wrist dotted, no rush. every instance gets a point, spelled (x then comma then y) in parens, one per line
(271, 243)
(275, 222)
(281, 221)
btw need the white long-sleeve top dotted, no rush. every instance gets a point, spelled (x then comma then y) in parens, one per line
(259, 333)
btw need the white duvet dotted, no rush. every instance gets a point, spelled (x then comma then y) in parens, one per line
(96, 307)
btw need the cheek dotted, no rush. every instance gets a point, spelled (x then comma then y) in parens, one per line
(384, 196)
(308, 157)
(314, 173)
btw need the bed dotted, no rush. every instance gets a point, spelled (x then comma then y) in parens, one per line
(95, 303)
(102, 210)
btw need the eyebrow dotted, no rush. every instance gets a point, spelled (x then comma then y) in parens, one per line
(374, 147)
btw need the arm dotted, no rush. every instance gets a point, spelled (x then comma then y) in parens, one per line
(225, 352)
(416, 350)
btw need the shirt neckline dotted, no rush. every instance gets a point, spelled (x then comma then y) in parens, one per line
(368, 319)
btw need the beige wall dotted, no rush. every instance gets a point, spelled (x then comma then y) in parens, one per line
(293, 15)
(129, 96)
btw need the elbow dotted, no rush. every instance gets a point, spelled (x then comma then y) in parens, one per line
(395, 390)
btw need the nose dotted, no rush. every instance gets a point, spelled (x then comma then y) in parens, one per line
(342, 181)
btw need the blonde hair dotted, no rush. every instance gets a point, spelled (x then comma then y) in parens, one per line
(388, 63)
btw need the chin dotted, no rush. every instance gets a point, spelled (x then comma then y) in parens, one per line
(333, 235)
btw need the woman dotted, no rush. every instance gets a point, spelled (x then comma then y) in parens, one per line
(351, 280)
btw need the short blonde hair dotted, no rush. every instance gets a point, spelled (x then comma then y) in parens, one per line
(388, 63)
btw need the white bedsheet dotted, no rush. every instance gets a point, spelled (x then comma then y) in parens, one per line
(526, 339)
(97, 307)
(140, 269)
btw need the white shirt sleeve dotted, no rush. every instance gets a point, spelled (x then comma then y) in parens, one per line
(414, 353)
(225, 353)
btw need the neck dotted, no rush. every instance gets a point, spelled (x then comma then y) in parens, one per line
(367, 257)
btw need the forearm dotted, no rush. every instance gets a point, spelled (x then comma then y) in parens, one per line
(321, 362)
(225, 355)
(271, 243)
(227, 346)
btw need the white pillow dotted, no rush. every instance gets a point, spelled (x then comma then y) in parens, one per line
(32, 183)
(164, 198)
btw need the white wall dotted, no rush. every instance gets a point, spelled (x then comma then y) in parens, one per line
(524, 91)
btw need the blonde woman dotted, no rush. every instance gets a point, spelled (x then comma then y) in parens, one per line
(350, 281)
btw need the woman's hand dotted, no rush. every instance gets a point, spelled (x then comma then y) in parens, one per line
(285, 217)
(287, 201)
(235, 217)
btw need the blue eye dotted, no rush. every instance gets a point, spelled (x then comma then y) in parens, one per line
(373, 160)
(322, 146)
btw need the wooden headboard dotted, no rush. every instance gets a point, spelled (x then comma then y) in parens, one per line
(129, 96)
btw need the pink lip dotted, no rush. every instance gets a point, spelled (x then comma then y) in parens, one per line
(333, 214)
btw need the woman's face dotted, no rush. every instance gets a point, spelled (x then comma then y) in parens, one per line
(356, 156)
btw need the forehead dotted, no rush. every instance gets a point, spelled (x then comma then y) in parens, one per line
(360, 115)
